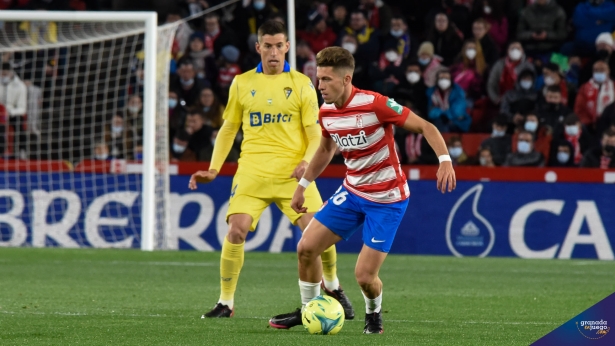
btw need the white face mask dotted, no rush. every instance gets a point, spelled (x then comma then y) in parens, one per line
(133, 109)
(515, 54)
(6, 80)
(531, 126)
(397, 33)
(497, 133)
(487, 10)
(600, 77)
(483, 161)
(117, 129)
(455, 152)
(572, 130)
(471, 53)
(178, 148)
(102, 156)
(563, 157)
(413, 77)
(444, 84)
(526, 84)
(549, 80)
(391, 56)
(349, 46)
(524, 147)
(172, 103)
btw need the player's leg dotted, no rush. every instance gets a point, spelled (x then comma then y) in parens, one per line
(242, 216)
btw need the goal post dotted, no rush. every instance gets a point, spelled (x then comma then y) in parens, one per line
(91, 33)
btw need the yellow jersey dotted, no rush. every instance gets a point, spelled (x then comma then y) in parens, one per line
(273, 110)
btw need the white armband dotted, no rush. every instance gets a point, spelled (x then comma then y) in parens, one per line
(443, 158)
(304, 182)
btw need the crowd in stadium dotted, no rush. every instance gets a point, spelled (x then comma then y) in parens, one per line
(509, 83)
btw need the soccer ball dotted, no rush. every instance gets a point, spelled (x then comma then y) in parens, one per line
(323, 315)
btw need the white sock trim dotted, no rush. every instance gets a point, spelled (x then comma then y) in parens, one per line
(227, 302)
(309, 291)
(332, 285)
(372, 305)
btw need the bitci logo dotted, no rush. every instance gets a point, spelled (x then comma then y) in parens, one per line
(593, 329)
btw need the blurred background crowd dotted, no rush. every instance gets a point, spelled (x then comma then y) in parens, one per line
(508, 83)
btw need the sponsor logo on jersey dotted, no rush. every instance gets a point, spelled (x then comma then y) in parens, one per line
(259, 119)
(287, 92)
(350, 141)
(394, 106)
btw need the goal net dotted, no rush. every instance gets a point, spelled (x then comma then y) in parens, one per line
(83, 130)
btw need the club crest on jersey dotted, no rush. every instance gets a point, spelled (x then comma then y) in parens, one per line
(269, 101)
(349, 141)
(360, 120)
(287, 92)
(253, 92)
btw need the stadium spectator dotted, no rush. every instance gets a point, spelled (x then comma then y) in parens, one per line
(306, 61)
(179, 148)
(14, 97)
(455, 149)
(228, 69)
(430, 63)
(117, 135)
(484, 42)
(134, 118)
(468, 71)
(595, 95)
(368, 38)
(525, 155)
(101, 151)
(186, 84)
(446, 40)
(602, 156)
(413, 89)
(177, 113)
(562, 156)
(458, 14)
(217, 35)
(198, 130)
(363, 59)
(485, 158)
(400, 38)
(552, 112)
(387, 71)
(202, 58)
(340, 18)
(604, 52)
(494, 22)
(182, 34)
(500, 142)
(542, 135)
(542, 27)
(211, 107)
(503, 75)
(378, 14)
(521, 99)
(205, 154)
(575, 133)
(551, 76)
(318, 35)
(254, 15)
(606, 119)
(590, 19)
(447, 105)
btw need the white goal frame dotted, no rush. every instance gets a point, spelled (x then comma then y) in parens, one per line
(150, 20)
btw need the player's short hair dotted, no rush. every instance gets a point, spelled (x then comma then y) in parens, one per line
(336, 57)
(272, 27)
(554, 89)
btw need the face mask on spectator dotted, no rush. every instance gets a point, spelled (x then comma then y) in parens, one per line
(6, 80)
(391, 56)
(133, 109)
(487, 9)
(497, 133)
(201, 75)
(424, 61)
(172, 103)
(444, 83)
(187, 82)
(397, 33)
(526, 84)
(524, 147)
(413, 77)
(117, 129)
(259, 5)
(600, 77)
(563, 157)
(483, 161)
(102, 156)
(572, 130)
(455, 152)
(349, 46)
(471, 53)
(178, 148)
(531, 126)
(206, 109)
(549, 80)
(515, 54)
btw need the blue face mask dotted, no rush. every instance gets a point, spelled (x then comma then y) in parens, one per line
(172, 103)
(600, 77)
(397, 33)
(424, 62)
(178, 148)
(531, 126)
(497, 133)
(524, 147)
(259, 5)
(563, 157)
(455, 152)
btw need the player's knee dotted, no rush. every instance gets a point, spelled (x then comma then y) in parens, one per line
(237, 233)
(365, 279)
(305, 252)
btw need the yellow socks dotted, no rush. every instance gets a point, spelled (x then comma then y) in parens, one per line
(329, 268)
(231, 262)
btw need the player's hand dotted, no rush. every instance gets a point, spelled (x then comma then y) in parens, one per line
(299, 170)
(298, 200)
(446, 177)
(202, 177)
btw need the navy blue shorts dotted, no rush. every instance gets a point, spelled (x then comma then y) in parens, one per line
(345, 212)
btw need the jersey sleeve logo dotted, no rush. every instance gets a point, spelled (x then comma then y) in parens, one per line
(396, 107)
(287, 92)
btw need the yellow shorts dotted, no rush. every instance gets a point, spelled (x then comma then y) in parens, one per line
(251, 194)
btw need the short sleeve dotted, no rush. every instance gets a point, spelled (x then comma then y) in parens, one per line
(234, 110)
(324, 131)
(309, 104)
(389, 111)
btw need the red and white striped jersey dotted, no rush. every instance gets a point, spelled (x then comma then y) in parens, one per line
(363, 131)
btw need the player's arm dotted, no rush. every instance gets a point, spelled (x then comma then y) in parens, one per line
(322, 157)
(446, 174)
(225, 139)
(309, 120)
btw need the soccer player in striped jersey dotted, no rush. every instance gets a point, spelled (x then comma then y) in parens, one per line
(375, 191)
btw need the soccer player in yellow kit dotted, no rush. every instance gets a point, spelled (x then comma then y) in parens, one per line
(277, 109)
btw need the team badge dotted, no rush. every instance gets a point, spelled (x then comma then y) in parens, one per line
(253, 92)
(360, 120)
(287, 92)
(269, 101)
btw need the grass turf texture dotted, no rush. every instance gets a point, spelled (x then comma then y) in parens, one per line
(113, 297)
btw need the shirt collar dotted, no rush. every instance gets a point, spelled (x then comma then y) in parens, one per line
(259, 68)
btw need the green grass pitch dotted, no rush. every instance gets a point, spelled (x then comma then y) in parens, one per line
(129, 297)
